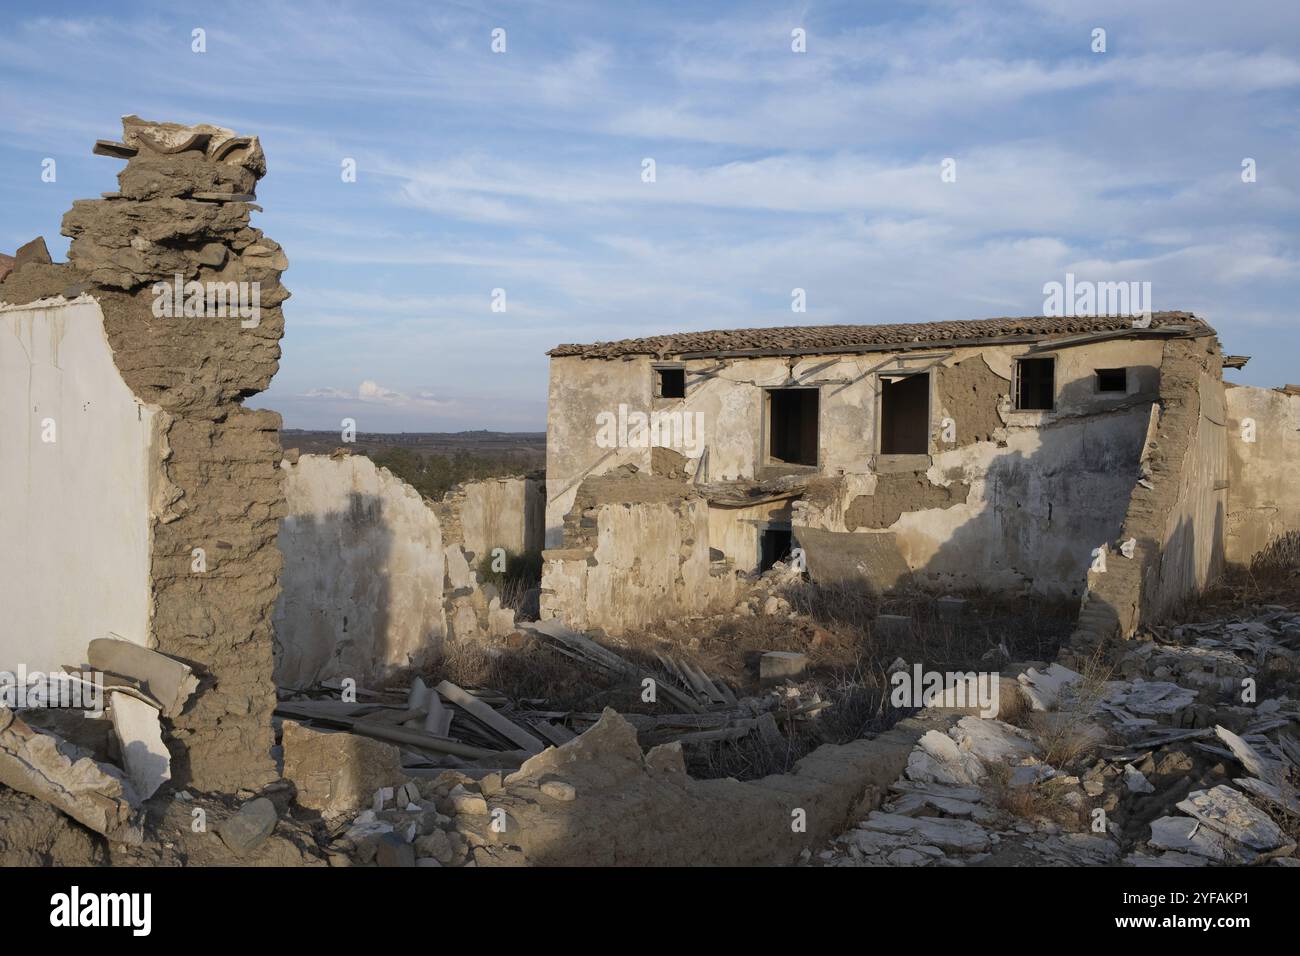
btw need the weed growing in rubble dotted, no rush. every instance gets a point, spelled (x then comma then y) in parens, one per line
(1032, 803)
(1067, 734)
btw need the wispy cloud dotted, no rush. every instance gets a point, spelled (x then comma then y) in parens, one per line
(522, 171)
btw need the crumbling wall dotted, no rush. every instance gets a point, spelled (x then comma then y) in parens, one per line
(506, 513)
(377, 577)
(629, 562)
(1263, 448)
(633, 809)
(181, 215)
(1176, 512)
(362, 589)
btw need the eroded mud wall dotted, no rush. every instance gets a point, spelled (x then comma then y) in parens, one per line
(377, 578)
(634, 555)
(1005, 499)
(1176, 512)
(191, 354)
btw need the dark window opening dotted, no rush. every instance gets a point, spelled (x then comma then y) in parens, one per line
(1112, 380)
(792, 426)
(775, 546)
(905, 415)
(672, 382)
(1036, 384)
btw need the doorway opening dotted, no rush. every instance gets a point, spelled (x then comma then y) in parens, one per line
(776, 544)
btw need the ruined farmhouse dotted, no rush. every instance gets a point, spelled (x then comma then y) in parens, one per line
(1102, 458)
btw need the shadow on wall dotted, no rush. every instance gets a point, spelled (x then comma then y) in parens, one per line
(1042, 514)
(333, 614)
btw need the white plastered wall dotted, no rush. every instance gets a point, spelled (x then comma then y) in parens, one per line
(75, 510)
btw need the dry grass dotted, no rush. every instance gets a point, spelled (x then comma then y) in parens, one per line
(1067, 735)
(537, 673)
(848, 665)
(1272, 577)
(1042, 801)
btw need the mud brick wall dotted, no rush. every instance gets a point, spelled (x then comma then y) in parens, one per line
(1176, 513)
(183, 209)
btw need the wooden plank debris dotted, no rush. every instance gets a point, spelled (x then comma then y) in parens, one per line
(486, 715)
(398, 735)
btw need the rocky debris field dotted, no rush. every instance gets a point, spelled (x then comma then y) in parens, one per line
(1182, 753)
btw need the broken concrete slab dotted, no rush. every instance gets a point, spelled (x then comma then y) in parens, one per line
(960, 836)
(168, 680)
(938, 759)
(1043, 688)
(338, 773)
(1229, 812)
(993, 741)
(1249, 757)
(1186, 835)
(51, 769)
(139, 736)
(1135, 781)
(1149, 698)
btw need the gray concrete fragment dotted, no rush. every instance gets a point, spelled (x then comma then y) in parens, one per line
(1249, 757)
(1043, 688)
(954, 835)
(1229, 812)
(169, 681)
(1135, 781)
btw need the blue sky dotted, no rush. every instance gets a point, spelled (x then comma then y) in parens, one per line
(774, 170)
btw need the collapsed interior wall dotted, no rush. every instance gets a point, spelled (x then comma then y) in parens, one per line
(506, 513)
(638, 551)
(377, 578)
(180, 215)
(1263, 440)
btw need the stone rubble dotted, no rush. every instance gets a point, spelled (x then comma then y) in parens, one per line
(1156, 787)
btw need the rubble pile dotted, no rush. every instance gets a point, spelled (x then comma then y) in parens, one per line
(1183, 761)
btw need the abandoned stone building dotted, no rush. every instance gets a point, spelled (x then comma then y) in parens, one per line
(1007, 454)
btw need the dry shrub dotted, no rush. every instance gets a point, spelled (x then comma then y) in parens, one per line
(1067, 735)
(535, 672)
(1038, 802)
